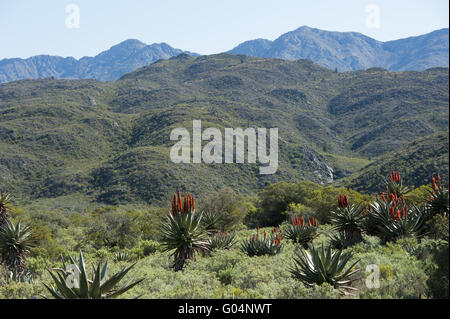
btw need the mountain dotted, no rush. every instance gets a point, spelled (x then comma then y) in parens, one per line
(418, 161)
(353, 51)
(78, 142)
(345, 51)
(109, 65)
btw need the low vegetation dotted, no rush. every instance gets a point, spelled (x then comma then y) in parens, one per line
(192, 253)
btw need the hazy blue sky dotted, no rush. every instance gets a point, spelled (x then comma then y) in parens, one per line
(204, 26)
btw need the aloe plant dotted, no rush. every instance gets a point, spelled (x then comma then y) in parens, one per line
(394, 185)
(337, 240)
(210, 221)
(438, 202)
(16, 241)
(301, 232)
(71, 281)
(258, 245)
(122, 256)
(325, 265)
(5, 200)
(183, 232)
(221, 241)
(393, 220)
(348, 219)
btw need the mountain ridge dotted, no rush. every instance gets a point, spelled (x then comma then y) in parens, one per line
(346, 51)
(108, 65)
(350, 51)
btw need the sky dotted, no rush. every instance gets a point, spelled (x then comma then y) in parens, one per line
(86, 27)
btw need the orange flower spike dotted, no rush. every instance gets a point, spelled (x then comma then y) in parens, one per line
(433, 182)
(403, 213)
(399, 177)
(391, 211)
(180, 205)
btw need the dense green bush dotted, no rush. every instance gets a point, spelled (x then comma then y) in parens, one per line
(231, 208)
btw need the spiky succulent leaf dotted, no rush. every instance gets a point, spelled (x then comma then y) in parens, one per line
(324, 265)
(99, 287)
(183, 233)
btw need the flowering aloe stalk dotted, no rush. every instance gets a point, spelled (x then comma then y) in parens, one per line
(348, 219)
(300, 232)
(258, 245)
(183, 232)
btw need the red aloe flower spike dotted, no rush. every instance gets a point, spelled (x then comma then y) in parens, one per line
(397, 216)
(399, 177)
(180, 206)
(302, 221)
(403, 213)
(391, 211)
(433, 183)
(264, 235)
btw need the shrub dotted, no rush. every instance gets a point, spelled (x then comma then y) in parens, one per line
(226, 276)
(229, 206)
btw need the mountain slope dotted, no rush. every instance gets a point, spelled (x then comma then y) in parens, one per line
(109, 65)
(110, 141)
(417, 162)
(353, 51)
